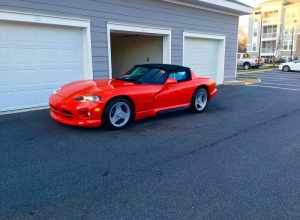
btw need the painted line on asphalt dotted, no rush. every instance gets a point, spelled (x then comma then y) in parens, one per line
(279, 77)
(276, 79)
(275, 87)
(281, 84)
(281, 81)
(270, 77)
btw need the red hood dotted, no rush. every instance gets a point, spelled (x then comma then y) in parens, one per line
(91, 87)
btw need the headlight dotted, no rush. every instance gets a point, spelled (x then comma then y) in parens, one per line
(88, 98)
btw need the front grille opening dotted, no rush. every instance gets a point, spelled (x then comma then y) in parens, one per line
(62, 112)
(66, 112)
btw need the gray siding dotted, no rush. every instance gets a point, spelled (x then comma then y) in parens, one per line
(145, 12)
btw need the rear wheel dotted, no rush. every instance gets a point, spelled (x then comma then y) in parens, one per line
(118, 114)
(200, 100)
(247, 66)
(286, 69)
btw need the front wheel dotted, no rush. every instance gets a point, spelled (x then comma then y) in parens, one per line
(200, 100)
(118, 114)
(286, 69)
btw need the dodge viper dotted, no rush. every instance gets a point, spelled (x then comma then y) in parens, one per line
(142, 92)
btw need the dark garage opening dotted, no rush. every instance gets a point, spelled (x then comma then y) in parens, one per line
(128, 49)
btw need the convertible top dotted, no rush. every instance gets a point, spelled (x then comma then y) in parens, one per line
(167, 67)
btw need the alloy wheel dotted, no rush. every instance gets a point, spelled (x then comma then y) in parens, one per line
(201, 100)
(119, 114)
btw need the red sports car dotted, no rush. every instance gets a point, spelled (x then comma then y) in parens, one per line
(143, 92)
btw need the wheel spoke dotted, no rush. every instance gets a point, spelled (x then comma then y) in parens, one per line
(201, 100)
(114, 119)
(120, 114)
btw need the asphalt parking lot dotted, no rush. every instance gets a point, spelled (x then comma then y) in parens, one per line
(277, 79)
(239, 160)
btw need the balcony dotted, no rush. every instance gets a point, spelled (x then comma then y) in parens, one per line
(267, 50)
(269, 35)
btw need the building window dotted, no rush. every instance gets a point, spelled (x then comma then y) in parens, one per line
(254, 47)
(269, 31)
(285, 45)
(255, 34)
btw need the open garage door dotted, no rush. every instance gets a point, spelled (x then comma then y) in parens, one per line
(128, 50)
(205, 55)
(35, 60)
(131, 45)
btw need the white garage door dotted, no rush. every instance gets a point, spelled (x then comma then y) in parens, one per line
(35, 60)
(205, 56)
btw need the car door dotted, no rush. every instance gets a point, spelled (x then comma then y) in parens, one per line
(176, 94)
(297, 65)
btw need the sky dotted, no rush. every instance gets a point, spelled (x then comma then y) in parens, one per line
(244, 19)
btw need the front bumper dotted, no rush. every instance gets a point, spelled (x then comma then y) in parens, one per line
(75, 122)
(75, 114)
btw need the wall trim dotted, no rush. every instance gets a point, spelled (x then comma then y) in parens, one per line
(61, 21)
(140, 29)
(186, 4)
(221, 57)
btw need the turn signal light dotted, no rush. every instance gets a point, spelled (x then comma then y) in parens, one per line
(84, 113)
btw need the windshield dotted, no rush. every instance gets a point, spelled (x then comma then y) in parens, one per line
(145, 75)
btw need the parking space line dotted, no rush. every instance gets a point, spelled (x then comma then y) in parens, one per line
(275, 87)
(281, 84)
(281, 74)
(279, 77)
(292, 82)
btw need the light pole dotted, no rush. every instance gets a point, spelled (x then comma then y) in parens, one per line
(292, 47)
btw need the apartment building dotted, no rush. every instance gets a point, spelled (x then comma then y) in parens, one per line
(274, 30)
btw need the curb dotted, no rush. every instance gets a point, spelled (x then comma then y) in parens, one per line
(234, 83)
(242, 82)
(257, 71)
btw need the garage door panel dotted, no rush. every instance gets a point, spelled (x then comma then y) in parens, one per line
(29, 81)
(202, 55)
(27, 98)
(36, 60)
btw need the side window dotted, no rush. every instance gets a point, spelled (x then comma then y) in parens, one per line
(180, 76)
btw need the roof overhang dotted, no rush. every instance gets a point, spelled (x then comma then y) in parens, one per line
(228, 7)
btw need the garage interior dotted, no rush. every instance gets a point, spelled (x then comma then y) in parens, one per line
(129, 49)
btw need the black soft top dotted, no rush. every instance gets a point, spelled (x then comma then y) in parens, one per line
(167, 67)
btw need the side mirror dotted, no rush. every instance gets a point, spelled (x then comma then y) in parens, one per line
(171, 81)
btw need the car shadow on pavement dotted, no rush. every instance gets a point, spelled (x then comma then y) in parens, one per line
(40, 120)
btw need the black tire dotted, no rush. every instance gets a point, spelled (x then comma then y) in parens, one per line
(194, 105)
(246, 66)
(286, 69)
(107, 113)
